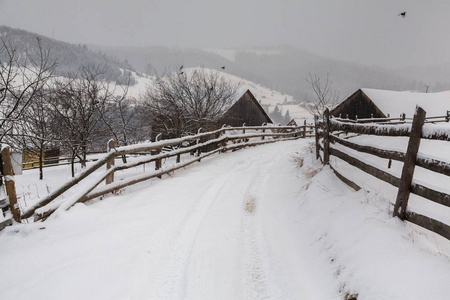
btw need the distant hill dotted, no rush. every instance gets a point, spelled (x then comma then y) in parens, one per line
(281, 68)
(69, 57)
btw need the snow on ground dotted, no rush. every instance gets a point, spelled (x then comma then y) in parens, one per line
(142, 82)
(428, 148)
(262, 223)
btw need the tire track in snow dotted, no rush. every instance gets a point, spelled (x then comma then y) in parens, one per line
(172, 280)
(260, 279)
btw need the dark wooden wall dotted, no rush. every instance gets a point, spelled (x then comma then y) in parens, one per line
(357, 105)
(245, 110)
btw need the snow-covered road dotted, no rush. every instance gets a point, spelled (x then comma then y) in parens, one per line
(249, 224)
(222, 229)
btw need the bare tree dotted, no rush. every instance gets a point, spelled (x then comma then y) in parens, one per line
(77, 104)
(323, 95)
(183, 102)
(22, 76)
(33, 132)
(121, 118)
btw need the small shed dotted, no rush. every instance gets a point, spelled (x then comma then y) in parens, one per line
(296, 122)
(246, 109)
(366, 103)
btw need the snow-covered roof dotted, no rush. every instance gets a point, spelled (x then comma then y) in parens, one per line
(395, 103)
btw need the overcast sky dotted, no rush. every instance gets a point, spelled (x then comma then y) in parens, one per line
(363, 31)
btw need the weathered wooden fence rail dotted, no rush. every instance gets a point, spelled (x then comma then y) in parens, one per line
(416, 131)
(201, 145)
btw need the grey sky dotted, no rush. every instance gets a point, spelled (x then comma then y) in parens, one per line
(363, 31)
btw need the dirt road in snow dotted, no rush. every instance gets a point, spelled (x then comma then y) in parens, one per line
(226, 228)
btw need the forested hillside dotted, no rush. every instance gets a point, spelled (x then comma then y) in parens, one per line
(281, 68)
(69, 57)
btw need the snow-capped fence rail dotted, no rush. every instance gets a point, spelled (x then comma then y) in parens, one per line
(405, 184)
(199, 146)
(400, 120)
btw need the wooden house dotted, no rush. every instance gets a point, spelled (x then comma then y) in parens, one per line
(367, 103)
(245, 110)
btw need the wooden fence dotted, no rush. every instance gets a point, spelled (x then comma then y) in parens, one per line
(327, 135)
(199, 146)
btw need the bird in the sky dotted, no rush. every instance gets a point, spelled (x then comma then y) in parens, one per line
(181, 68)
(181, 73)
(403, 14)
(223, 68)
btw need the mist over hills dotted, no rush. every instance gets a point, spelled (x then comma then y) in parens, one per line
(285, 68)
(69, 57)
(281, 68)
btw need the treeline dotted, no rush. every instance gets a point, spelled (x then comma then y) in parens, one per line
(68, 56)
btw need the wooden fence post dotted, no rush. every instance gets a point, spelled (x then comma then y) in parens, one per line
(304, 129)
(316, 128)
(8, 174)
(110, 163)
(264, 130)
(326, 137)
(156, 152)
(179, 155)
(409, 164)
(198, 142)
(223, 144)
(243, 132)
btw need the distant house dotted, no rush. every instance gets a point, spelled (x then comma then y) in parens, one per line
(245, 109)
(366, 103)
(296, 122)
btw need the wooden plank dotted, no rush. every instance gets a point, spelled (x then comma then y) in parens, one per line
(53, 195)
(8, 175)
(5, 223)
(383, 130)
(316, 135)
(326, 137)
(391, 179)
(45, 214)
(428, 223)
(345, 180)
(111, 162)
(396, 155)
(430, 194)
(427, 163)
(170, 154)
(409, 164)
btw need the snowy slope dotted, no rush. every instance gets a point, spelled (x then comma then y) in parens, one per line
(267, 97)
(262, 223)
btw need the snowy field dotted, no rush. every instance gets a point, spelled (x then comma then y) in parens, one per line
(262, 223)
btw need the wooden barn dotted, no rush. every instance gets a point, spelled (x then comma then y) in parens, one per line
(366, 103)
(245, 109)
